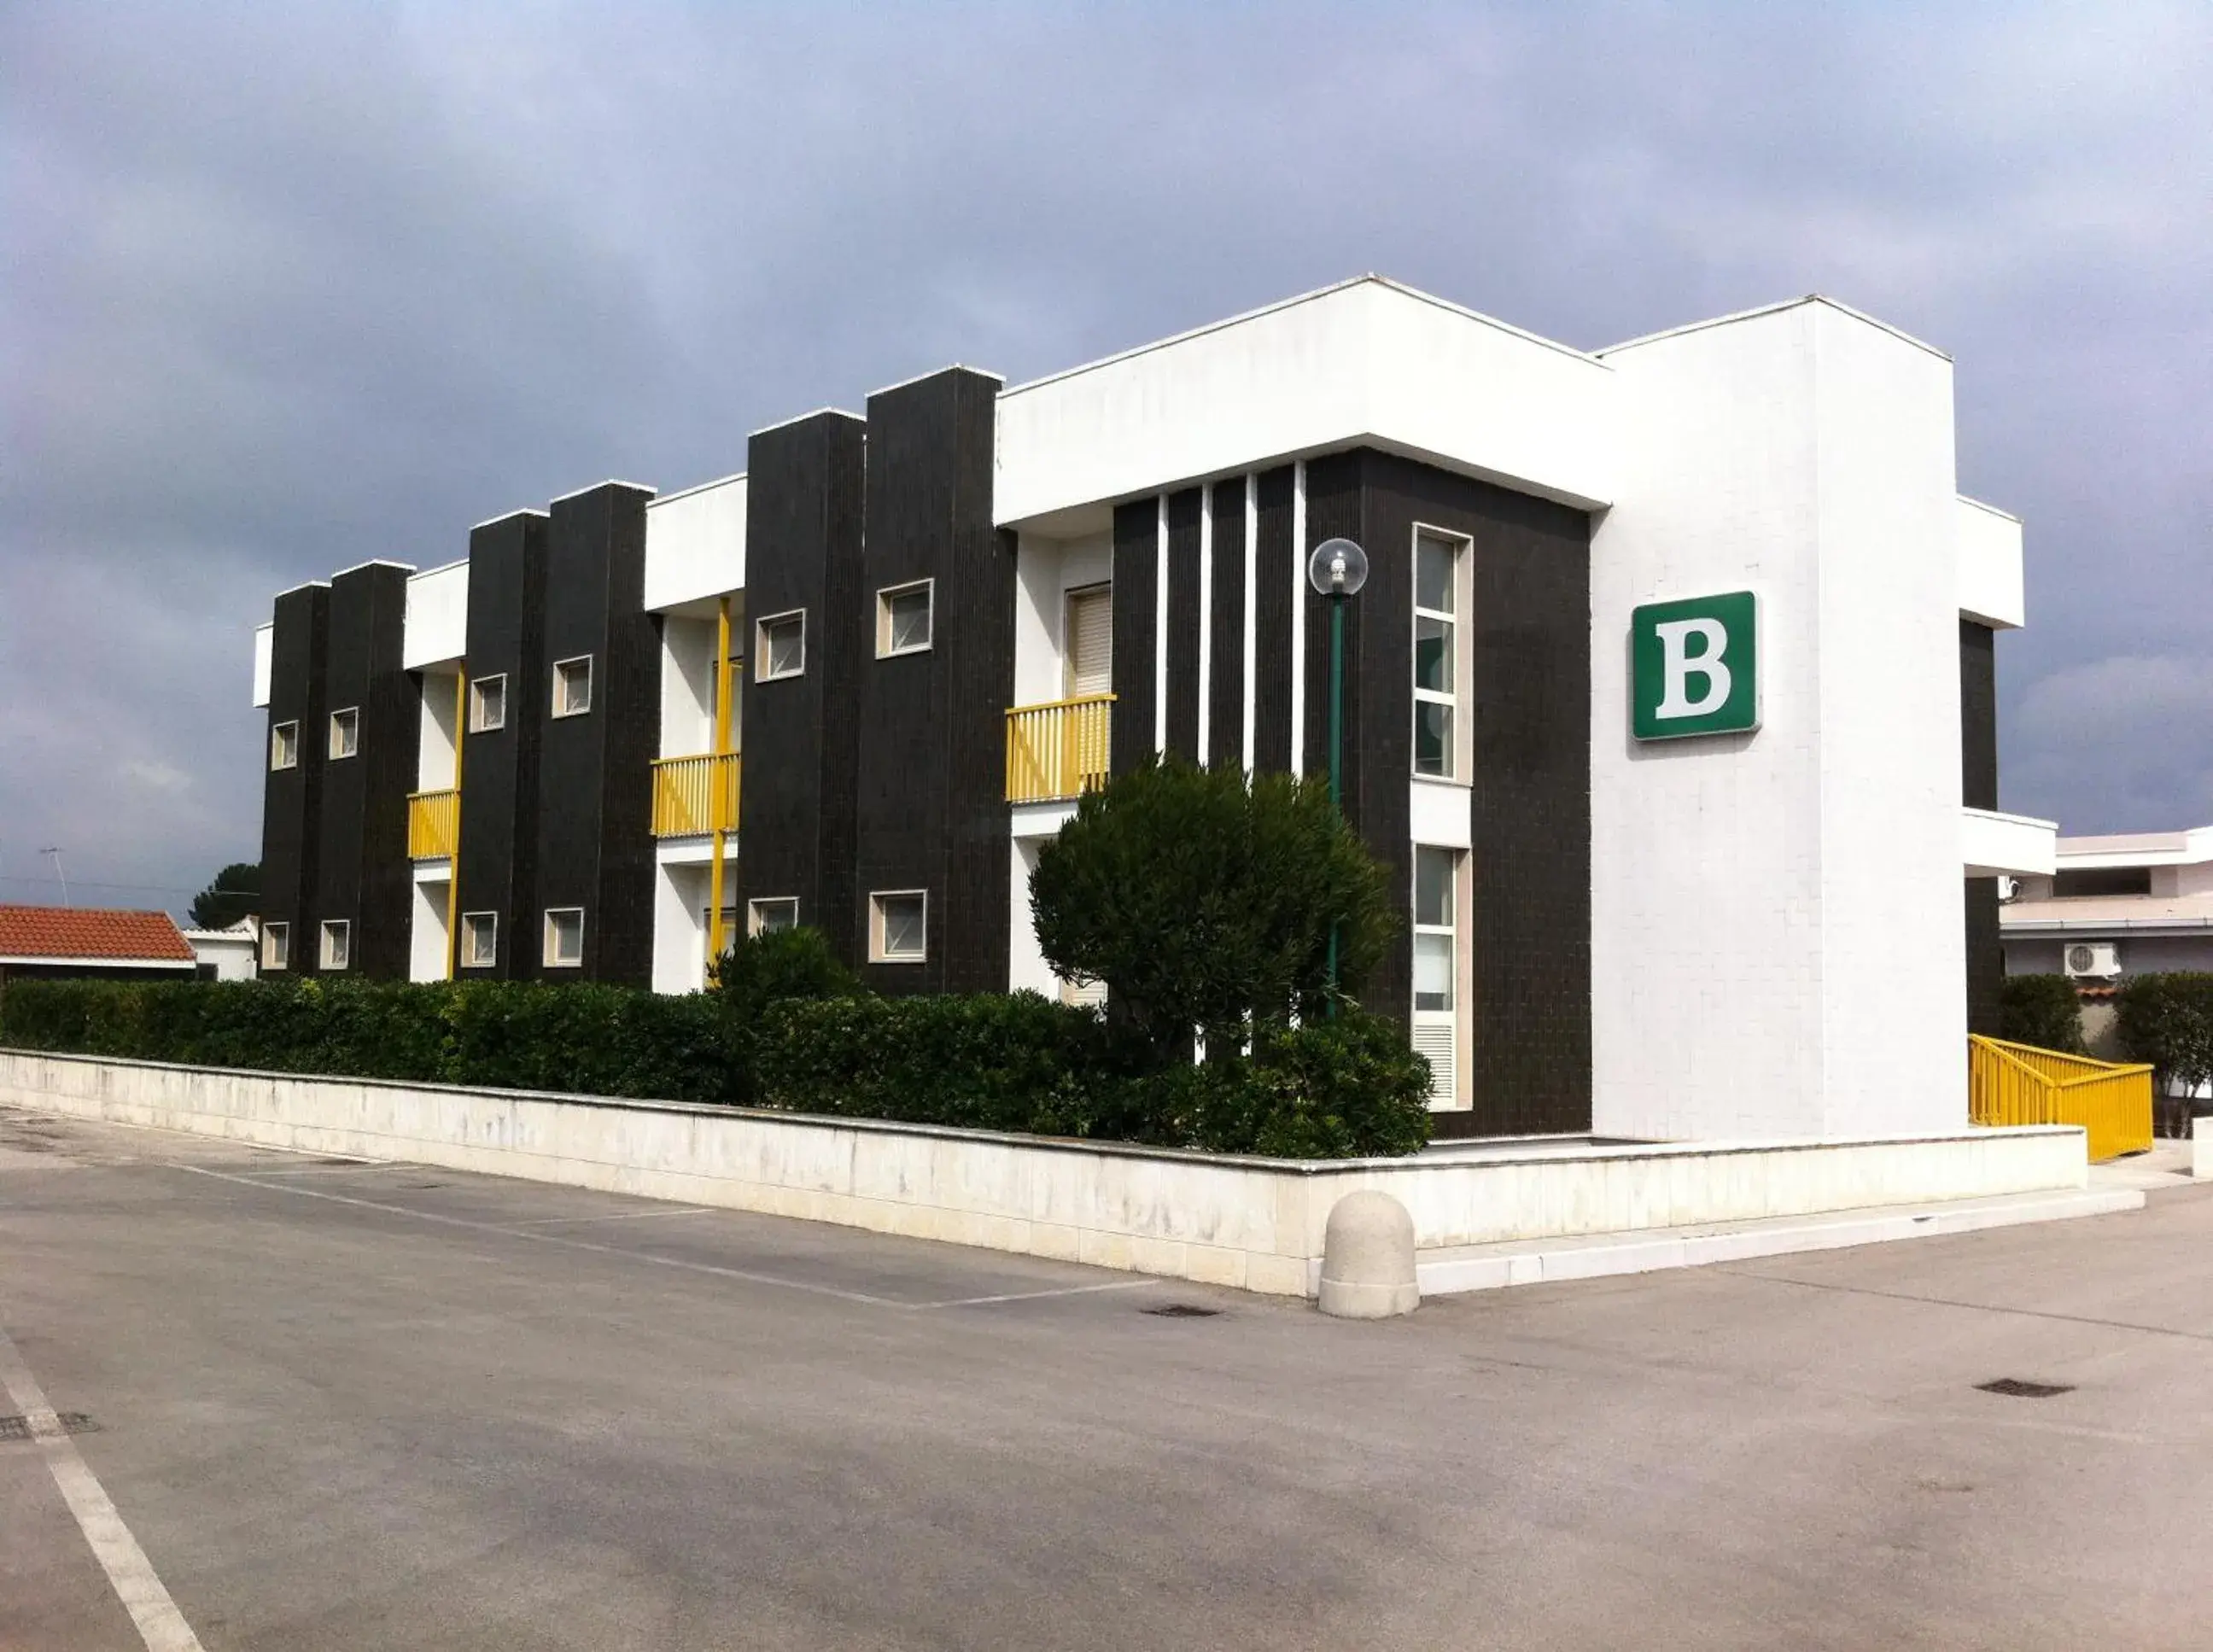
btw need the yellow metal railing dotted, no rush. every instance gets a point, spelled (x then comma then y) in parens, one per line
(1058, 750)
(693, 796)
(434, 824)
(2020, 1084)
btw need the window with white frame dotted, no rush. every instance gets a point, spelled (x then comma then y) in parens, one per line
(479, 940)
(285, 746)
(1088, 630)
(488, 703)
(338, 943)
(346, 732)
(903, 619)
(275, 946)
(572, 686)
(1436, 655)
(1436, 967)
(564, 936)
(899, 926)
(775, 913)
(780, 646)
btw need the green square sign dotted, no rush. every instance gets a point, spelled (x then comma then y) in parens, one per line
(1694, 667)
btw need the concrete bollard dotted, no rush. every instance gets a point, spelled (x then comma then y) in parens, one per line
(1368, 1259)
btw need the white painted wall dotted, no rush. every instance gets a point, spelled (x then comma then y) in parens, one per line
(1026, 964)
(1762, 905)
(264, 655)
(1992, 844)
(434, 746)
(1991, 581)
(680, 932)
(695, 544)
(1367, 359)
(437, 625)
(687, 686)
(1045, 570)
(426, 935)
(235, 953)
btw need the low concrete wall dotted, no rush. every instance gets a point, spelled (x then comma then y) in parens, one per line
(1255, 1223)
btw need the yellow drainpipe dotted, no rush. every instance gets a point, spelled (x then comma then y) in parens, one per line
(454, 865)
(715, 811)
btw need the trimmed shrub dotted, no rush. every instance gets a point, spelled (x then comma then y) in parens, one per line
(1205, 901)
(1344, 1089)
(2167, 1020)
(2041, 1011)
(765, 969)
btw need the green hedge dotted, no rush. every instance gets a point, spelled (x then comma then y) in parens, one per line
(785, 1030)
(578, 1038)
(2041, 1011)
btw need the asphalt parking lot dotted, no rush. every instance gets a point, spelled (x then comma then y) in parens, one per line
(335, 1405)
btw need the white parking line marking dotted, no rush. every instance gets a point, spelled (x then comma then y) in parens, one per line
(1033, 1295)
(616, 1215)
(160, 1625)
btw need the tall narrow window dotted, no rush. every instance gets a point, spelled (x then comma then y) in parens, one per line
(338, 943)
(780, 646)
(1436, 646)
(564, 936)
(488, 703)
(285, 746)
(572, 686)
(275, 946)
(1436, 962)
(903, 619)
(346, 732)
(1090, 641)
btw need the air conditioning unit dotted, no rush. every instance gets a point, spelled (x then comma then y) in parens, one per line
(2093, 960)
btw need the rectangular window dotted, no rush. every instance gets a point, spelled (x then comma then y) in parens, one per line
(1088, 639)
(572, 686)
(479, 940)
(564, 936)
(338, 943)
(899, 926)
(285, 746)
(776, 913)
(346, 732)
(903, 619)
(780, 645)
(1436, 646)
(1437, 969)
(488, 703)
(275, 946)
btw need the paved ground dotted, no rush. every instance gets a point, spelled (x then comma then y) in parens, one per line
(350, 1407)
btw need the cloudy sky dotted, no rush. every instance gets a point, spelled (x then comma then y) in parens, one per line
(285, 288)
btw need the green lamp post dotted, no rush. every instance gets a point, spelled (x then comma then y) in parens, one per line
(1337, 570)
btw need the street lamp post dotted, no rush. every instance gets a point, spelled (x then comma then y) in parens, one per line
(1337, 570)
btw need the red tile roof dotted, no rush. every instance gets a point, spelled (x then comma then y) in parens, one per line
(91, 932)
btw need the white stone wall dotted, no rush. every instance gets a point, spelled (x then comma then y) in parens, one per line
(1762, 903)
(1252, 1224)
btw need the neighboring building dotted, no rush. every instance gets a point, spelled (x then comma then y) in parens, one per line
(57, 943)
(928, 626)
(2115, 906)
(227, 954)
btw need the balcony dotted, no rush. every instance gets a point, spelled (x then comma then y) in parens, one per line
(1057, 751)
(434, 824)
(693, 796)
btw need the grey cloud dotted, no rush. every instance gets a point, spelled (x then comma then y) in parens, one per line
(291, 286)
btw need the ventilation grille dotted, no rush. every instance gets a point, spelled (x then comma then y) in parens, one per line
(1436, 1040)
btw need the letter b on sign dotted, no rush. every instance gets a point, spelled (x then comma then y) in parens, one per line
(1694, 667)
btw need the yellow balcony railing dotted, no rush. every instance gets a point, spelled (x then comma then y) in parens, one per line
(695, 794)
(1058, 750)
(434, 822)
(2020, 1084)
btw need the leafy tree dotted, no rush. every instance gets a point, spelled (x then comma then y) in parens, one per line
(772, 968)
(236, 892)
(1204, 901)
(2042, 1010)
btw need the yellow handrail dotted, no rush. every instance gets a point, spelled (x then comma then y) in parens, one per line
(1058, 750)
(2012, 1084)
(434, 822)
(693, 796)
